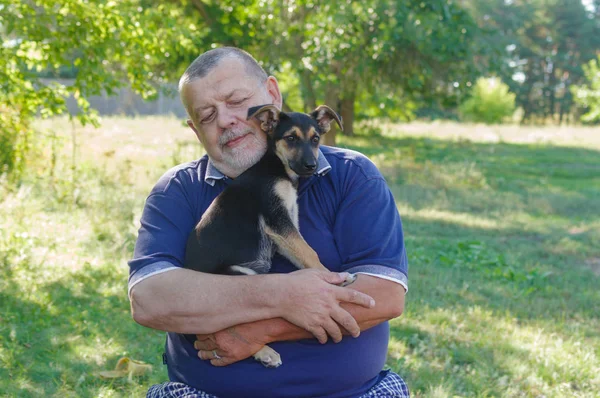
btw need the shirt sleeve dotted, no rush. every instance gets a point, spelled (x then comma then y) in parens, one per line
(369, 234)
(166, 222)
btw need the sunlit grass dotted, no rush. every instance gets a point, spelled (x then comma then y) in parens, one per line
(495, 352)
(572, 136)
(502, 227)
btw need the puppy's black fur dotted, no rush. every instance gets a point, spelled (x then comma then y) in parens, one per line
(232, 232)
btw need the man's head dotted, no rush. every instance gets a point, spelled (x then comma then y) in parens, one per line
(217, 89)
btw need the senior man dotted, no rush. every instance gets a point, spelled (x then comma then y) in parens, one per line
(216, 322)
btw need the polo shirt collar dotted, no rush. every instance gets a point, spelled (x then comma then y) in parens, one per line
(213, 174)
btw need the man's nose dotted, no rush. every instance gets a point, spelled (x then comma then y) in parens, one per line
(226, 118)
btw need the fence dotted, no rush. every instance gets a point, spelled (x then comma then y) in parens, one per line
(126, 102)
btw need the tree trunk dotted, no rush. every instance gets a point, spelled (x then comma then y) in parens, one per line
(552, 105)
(332, 95)
(308, 93)
(347, 112)
(560, 115)
(527, 104)
(284, 106)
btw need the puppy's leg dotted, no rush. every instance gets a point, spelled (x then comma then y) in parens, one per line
(268, 357)
(293, 246)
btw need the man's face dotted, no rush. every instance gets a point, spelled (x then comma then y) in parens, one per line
(218, 106)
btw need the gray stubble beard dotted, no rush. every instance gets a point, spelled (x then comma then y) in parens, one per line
(239, 159)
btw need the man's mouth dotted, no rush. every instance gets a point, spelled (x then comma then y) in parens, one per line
(234, 142)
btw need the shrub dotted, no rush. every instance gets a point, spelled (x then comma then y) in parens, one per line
(14, 141)
(490, 102)
(587, 96)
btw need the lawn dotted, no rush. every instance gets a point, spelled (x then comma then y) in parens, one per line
(502, 227)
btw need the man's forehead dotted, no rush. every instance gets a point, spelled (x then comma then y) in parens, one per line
(220, 87)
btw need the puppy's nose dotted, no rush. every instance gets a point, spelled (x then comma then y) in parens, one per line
(309, 166)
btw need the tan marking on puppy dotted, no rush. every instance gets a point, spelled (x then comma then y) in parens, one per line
(284, 153)
(294, 131)
(294, 248)
(312, 133)
(286, 192)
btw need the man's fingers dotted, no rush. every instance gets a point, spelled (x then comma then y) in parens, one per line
(333, 330)
(203, 337)
(209, 354)
(347, 321)
(320, 334)
(221, 362)
(354, 296)
(205, 345)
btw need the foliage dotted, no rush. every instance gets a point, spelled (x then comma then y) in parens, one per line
(352, 55)
(490, 102)
(109, 44)
(587, 95)
(14, 142)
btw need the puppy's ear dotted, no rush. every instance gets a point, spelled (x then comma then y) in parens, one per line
(268, 115)
(324, 115)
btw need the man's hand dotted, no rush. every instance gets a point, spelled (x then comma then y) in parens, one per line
(231, 345)
(311, 300)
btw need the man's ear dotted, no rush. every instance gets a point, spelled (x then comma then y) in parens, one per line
(268, 115)
(324, 115)
(190, 123)
(274, 92)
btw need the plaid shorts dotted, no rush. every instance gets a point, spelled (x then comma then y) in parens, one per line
(391, 386)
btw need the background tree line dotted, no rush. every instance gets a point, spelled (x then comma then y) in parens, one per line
(392, 59)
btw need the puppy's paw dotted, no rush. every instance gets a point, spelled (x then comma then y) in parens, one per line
(349, 280)
(268, 357)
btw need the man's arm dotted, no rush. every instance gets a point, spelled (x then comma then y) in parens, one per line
(241, 341)
(185, 301)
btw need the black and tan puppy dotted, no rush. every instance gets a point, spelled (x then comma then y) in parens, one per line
(257, 214)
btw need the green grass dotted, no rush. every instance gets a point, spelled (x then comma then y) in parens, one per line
(503, 237)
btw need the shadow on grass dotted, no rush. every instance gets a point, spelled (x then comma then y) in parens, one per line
(56, 336)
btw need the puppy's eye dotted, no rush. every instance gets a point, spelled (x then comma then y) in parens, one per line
(290, 138)
(316, 139)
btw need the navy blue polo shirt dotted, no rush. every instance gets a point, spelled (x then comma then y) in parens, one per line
(347, 215)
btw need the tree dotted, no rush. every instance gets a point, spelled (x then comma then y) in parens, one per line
(544, 45)
(108, 44)
(408, 51)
